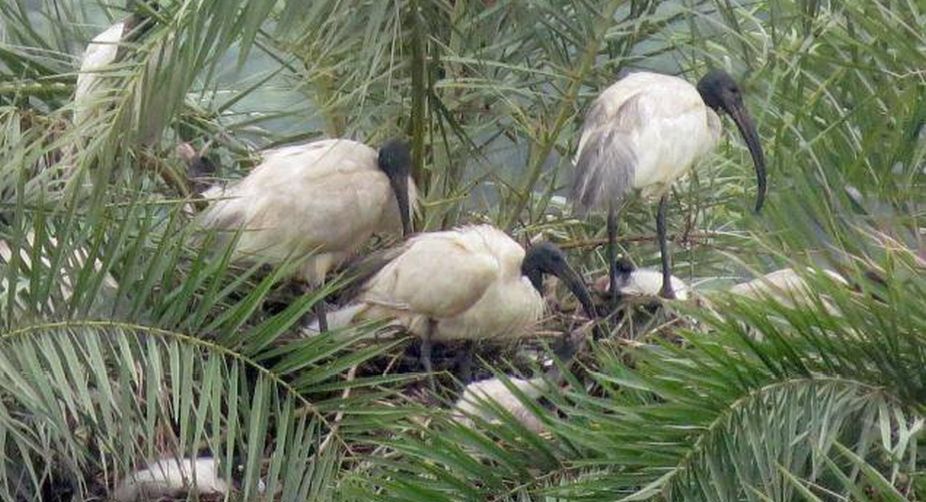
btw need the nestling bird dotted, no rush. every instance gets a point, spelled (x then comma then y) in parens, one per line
(644, 132)
(472, 283)
(482, 399)
(633, 282)
(320, 201)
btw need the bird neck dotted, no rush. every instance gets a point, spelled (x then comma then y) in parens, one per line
(534, 275)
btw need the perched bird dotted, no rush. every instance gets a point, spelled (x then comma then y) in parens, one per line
(646, 131)
(635, 282)
(102, 52)
(176, 477)
(321, 200)
(472, 283)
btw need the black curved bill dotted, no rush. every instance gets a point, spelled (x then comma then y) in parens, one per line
(748, 131)
(574, 282)
(400, 188)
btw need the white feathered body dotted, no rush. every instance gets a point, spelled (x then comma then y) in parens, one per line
(170, 478)
(656, 125)
(91, 92)
(476, 399)
(100, 53)
(467, 282)
(325, 198)
(644, 282)
(785, 286)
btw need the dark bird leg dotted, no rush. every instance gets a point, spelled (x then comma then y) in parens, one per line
(612, 256)
(319, 309)
(465, 363)
(666, 291)
(426, 354)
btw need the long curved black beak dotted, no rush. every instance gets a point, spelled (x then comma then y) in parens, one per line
(744, 123)
(400, 188)
(574, 282)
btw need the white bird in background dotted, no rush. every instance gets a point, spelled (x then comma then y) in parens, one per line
(91, 92)
(646, 131)
(786, 287)
(176, 477)
(472, 283)
(321, 200)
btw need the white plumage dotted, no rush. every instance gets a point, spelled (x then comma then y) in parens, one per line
(325, 198)
(646, 131)
(467, 281)
(100, 53)
(479, 398)
(172, 478)
(644, 282)
(785, 286)
(92, 93)
(649, 126)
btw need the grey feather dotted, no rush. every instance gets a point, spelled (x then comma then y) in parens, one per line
(361, 269)
(604, 170)
(606, 164)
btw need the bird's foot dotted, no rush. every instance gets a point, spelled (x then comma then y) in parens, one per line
(667, 292)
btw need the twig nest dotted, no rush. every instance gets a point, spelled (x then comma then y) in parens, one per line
(484, 398)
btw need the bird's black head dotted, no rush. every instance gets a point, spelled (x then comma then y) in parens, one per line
(141, 18)
(720, 92)
(624, 266)
(547, 258)
(395, 159)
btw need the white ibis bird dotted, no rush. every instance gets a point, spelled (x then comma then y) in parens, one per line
(100, 54)
(472, 283)
(321, 200)
(646, 131)
(177, 477)
(633, 282)
(787, 287)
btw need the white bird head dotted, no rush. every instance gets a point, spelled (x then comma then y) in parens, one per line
(720, 92)
(395, 159)
(546, 258)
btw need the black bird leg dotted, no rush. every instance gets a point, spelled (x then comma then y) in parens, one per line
(465, 363)
(612, 255)
(425, 355)
(320, 309)
(666, 291)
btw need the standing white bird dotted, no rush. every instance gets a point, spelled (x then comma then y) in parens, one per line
(472, 283)
(646, 131)
(321, 200)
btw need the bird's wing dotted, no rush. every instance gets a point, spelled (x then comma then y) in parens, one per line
(606, 160)
(438, 276)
